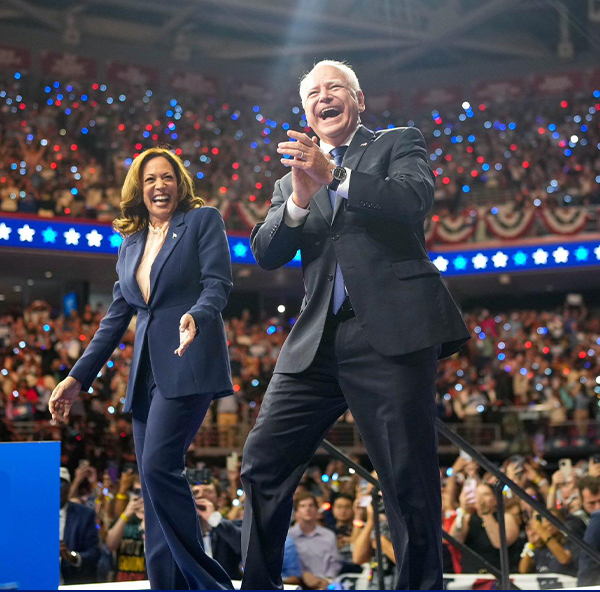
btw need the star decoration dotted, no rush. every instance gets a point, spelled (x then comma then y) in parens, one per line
(115, 240)
(94, 238)
(72, 236)
(240, 250)
(540, 257)
(560, 255)
(460, 262)
(297, 256)
(500, 259)
(26, 233)
(5, 232)
(480, 261)
(596, 251)
(441, 263)
(49, 235)
(520, 258)
(581, 254)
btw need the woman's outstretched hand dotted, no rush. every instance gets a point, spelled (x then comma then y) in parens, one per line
(187, 332)
(63, 396)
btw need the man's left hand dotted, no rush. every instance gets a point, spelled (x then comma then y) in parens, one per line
(308, 157)
(205, 508)
(65, 553)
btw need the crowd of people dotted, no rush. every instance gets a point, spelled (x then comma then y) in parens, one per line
(332, 536)
(65, 148)
(544, 363)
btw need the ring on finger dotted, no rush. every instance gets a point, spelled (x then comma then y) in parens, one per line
(301, 155)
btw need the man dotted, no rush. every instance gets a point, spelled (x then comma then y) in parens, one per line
(589, 490)
(222, 538)
(79, 550)
(375, 318)
(316, 545)
(588, 573)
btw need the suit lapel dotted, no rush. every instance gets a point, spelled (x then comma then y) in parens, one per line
(359, 144)
(321, 198)
(174, 234)
(133, 257)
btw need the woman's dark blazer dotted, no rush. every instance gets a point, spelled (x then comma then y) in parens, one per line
(191, 274)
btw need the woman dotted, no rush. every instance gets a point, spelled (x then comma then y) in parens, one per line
(547, 549)
(477, 527)
(174, 270)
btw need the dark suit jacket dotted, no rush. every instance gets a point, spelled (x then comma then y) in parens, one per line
(377, 237)
(226, 543)
(81, 535)
(191, 274)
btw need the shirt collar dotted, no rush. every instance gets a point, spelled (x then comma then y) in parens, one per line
(327, 148)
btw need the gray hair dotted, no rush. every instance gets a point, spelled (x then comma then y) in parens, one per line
(343, 66)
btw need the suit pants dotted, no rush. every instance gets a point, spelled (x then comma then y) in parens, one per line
(163, 430)
(393, 404)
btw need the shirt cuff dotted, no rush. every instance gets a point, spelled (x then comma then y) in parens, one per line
(294, 215)
(215, 519)
(77, 558)
(344, 187)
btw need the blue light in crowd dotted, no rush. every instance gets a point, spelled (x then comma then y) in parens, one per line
(494, 210)
(286, 126)
(501, 356)
(84, 130)
(471, 138)
(47, 89)
(111, 409)
(46, 328)
(56, 85)
(480, 408)
(235, 116)
(17, 75)
(523, 371)
(271, 330)
(84, 98)
(466, 189)
(74, 191)
(254, 145)
(449, 472)
(255, 382)
(110, 364)
(256, 108)
(325, 478)
(121, 346)
(200, 175)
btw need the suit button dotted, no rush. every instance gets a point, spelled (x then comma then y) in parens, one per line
(363, 204)
(335, 237)
(329, 277)
(377, 206)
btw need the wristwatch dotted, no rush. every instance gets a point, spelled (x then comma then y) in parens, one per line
(339, 176)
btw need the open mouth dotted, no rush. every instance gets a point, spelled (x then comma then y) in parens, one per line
(330, 113)
(161, 199)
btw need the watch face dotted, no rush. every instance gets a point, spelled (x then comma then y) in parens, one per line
(339, 173)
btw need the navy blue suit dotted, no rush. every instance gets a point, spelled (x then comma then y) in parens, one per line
(81, 536)
(169, 395)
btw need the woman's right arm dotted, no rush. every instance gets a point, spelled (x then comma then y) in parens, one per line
(109, 334)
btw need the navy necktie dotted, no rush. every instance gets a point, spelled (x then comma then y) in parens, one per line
(339, 289)
(338, 154)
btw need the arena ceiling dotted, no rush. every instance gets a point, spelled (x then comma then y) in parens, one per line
(287, 35)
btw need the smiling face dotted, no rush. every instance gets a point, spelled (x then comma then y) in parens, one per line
(331, 104)
(160, 189)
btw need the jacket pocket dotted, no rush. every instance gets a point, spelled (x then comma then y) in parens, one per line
(414, 268)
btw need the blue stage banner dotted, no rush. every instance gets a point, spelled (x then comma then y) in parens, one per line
(88, 237)
(29, 515)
